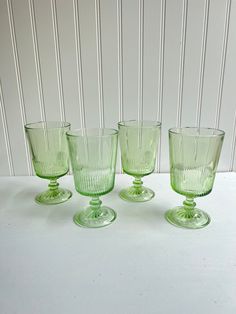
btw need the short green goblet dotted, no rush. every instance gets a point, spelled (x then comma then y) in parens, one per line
(194, 156)
(47, 141)
(138, 144)
(93, 158)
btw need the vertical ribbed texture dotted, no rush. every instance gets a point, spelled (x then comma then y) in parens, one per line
(99, 63)
(6, 133)
(79, 64)
(140, 63)
(58, 60)
(19, 81)
(181, 63)
(37, 59)
(120, 60)
(161, 73)
(202, 63)
(222, 65)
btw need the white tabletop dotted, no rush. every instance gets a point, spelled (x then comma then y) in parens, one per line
(138, 264)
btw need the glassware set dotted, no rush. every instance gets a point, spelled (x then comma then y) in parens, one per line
(194, 156)
(93, 159)
(47, 141)
(138, 144)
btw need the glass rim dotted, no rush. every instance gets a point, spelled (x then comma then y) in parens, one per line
(178, 131)
(82, 132)
(148, 123)
(50, 125)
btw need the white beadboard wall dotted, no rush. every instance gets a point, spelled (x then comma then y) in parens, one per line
(95, 62)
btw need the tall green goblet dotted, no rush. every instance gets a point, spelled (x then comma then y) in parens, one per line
(47, 141)
(194, 156)
(138, 144)
(93, 157)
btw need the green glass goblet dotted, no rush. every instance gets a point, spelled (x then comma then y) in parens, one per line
(138, 144)
(194, 156)
(93, 158)
(47, 141)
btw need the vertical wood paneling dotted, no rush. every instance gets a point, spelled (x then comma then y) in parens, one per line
(168, 102)
(6, 137)
(11, 100)
(37, 60)
(222, 64)
(87, 21)
(96, 62)
(45, 61)
(161, 59)
(26, 60)
(213, 61)
(120, 59)
(99, 63)
(19, 81)
(120, 74)
(79, 64)
(112, 61)
(181, 63)
(202, 62)
(68, 41)
(193, 45)
(228, 106)
(130, 58)
(110, 54)
(151, 52)
(58, 60)
(140, 60)
(153, 60)
(161, 76)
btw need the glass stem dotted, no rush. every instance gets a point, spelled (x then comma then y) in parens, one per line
(95, 206)
(189, 204)
(53, 185)
(138, 183)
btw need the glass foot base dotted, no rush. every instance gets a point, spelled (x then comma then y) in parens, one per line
(52, 197)
(95, 219)
(133, 194)
(180, 217)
